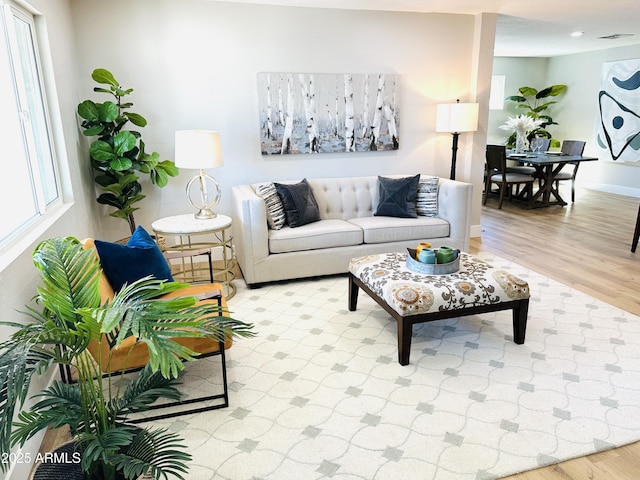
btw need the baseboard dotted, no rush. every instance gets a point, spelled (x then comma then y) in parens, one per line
(617, 189)
(475, 231)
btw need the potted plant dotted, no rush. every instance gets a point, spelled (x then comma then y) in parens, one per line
(118, 154)
(68, 314)
(533, 102)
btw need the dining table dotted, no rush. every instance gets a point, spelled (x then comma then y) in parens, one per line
(547, 165)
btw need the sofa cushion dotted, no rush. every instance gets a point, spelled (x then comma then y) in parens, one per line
(139, 258)
(397, 197)
(394, 229)
(427, 197)
(300, 206)
(322, 234)
(275, 209)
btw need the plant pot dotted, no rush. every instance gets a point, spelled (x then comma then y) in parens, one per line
(63, 464)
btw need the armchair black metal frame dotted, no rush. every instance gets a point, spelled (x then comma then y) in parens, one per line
(66, 376)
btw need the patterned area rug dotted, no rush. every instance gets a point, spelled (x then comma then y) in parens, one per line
(319, 392)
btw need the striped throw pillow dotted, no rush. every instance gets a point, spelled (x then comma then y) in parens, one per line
(427, 197)
(275, 209)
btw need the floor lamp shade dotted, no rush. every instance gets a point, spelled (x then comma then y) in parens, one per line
(200, 149)
(456, 118)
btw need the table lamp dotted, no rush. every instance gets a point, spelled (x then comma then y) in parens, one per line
(455, 118)
(200, 149)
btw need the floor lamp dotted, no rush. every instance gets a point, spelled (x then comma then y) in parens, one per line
(200, 149)
(456, 118)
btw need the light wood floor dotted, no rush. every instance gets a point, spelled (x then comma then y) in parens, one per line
(586, 245)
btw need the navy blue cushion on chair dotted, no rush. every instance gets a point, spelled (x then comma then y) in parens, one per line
(139, 258)
(397, 197)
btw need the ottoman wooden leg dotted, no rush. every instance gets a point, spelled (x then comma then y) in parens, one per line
(520, 321)
(405, 330)
(353, 294)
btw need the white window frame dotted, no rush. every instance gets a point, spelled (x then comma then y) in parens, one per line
(42, 215)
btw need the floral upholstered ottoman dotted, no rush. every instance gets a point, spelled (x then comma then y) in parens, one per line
(411, 297)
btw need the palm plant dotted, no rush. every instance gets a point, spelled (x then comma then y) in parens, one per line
(68, 316)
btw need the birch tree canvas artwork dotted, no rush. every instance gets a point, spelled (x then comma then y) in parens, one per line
(320, 113)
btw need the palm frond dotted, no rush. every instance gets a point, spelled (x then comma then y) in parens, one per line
(136, 312)
(158, 453)
(70, 277)
(144, 390)
(99, 447)
(18, 363)
(61, 404)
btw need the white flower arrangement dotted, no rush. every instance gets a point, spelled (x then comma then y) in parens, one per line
(521, 124)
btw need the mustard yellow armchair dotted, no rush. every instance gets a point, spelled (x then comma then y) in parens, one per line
(132, 355)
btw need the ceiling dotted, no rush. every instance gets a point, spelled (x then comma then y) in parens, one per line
(525, 28)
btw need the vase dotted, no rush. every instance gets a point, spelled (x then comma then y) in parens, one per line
(522, 144)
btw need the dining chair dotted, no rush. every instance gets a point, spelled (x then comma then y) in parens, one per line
(570, 147)
(540, 144)
(537, 144)
(496, 172)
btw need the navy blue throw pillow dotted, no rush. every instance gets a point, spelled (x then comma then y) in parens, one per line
(397, 197)
(300, 206)
(139, 258)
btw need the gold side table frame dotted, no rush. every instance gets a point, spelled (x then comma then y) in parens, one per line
(196, 237)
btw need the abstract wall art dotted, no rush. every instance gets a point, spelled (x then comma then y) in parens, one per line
(619, 102)
(327, 113)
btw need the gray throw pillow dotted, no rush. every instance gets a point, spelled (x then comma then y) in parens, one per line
(300, 206)
(397, 197)
(275, 209)
(427, 197)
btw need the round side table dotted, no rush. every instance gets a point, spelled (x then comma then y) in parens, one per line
(194, 237)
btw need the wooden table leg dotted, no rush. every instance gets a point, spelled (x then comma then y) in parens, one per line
(520, 321)
(353, 294)
(405, 330)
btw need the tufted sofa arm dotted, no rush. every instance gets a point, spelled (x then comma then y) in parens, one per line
(250, 230)
(454, 206)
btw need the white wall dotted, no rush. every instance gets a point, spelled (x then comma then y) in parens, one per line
(576, 111)
(518, 72)
(581, 111)
(19, 279)
(193, 64)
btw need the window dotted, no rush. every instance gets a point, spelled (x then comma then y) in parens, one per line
(496, 97)
(29, 181)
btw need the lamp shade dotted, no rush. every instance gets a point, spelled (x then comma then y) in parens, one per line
(457, 117)
(198, 149)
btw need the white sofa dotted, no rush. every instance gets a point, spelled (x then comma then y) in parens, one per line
(347, 229)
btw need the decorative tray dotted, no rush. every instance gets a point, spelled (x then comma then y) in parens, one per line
(431, 268)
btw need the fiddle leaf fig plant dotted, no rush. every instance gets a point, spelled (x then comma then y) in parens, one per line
(535, 105)
(118, 154)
